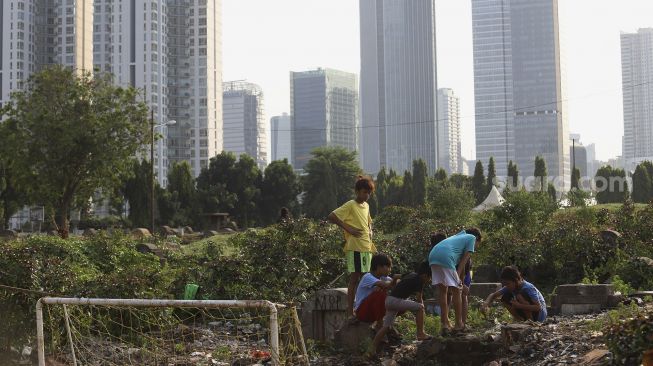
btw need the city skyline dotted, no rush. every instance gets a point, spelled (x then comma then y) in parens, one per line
(593, 63)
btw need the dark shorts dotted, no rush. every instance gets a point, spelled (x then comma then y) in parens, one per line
(509, 296)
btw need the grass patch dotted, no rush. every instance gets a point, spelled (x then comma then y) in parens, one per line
(614, 316)
(221, 240)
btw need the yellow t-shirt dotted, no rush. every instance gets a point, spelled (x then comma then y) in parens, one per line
(357, 215)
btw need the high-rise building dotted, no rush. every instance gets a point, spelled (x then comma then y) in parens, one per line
(243, 121)
(324, 112)
(398, 84)
(449, 148)
(637, 72)
(519, 86)
(35, 34)
(194, 81)
(281, 137)
(171, 49)
(592, 163)
(130, 42)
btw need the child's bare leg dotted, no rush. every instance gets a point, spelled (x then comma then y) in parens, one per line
(457, 307)
(465, 301)
(522, 300)
(419, 320)
(354, 277)
(444, 307)
(513, 312)
(378, 338)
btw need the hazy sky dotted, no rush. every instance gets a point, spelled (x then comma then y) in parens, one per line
(265, 39)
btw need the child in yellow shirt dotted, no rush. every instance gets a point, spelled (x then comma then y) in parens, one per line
(354, 218)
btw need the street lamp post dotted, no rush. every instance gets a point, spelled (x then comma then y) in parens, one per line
(169, 123)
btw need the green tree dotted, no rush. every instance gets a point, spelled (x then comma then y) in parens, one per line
(394, 192)
(181, 193)
(575, 179)
(611, 185)
(440, 175)
(215, 185)
(246, 184)
(450, 204)
(329, 180)
(70, 135)
(552, 193)
(460, 181)
(540, 174)
(491, 174)
(478, 183)
(136, 191)
(420, 177)
(381, 188)
(280, 188)
(642, 185)
(513, 174)
(407, 190)
(11, 198)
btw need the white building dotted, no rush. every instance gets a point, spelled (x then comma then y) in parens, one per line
(398, 84)
(130, 42)
(244, 121)
(519, 83)
(637, 72)
(35, 34)
(172, 50)
(281, 138)
(449, 147)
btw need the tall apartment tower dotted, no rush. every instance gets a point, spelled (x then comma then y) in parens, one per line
(449, 146)
(637, 73)
(398, 84)
(195, 81)
(130, 42)
(324, 112)
(37, 33)
(519, 86)
(281, 138)
(244, 121)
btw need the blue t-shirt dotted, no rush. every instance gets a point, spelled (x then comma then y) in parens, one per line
(527, 289)
(365, 288)
(449, 251)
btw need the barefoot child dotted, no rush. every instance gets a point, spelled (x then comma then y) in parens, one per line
(354, 218)
(523, 300)
(397, 302)
(369, 304)
(448, 260)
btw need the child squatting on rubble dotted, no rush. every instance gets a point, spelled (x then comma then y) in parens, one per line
(411, 284)
(523, 300)
(372, 291)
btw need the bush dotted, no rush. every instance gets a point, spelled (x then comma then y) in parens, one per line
(627, 339)
(395, 219)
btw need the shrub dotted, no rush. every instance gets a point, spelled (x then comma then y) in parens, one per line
(395, 219)
(627, 339)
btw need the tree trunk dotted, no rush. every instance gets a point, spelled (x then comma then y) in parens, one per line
(63, 223)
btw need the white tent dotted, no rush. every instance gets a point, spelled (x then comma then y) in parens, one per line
(493, 200)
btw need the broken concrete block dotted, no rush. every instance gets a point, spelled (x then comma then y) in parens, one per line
(354, 337)
(485, 289)
(574, 309)
(324, 313)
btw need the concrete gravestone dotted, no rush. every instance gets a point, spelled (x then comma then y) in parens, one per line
(324, 314)
(581, 299)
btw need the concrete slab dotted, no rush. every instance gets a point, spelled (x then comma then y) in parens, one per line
(573, 309)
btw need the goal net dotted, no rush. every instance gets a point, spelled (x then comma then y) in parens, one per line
(109, 332)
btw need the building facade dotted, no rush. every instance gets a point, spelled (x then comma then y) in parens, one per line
(324, 112)
(244, 121)
(38, 33)
(449, 146)
(637, 72)
(519, 84)
(398, 84)
(281, 138)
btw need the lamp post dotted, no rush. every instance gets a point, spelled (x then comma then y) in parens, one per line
(169, 123)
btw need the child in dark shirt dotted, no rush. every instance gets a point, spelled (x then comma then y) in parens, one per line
(397, 302)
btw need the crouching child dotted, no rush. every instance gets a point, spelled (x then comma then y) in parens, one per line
(369, 303)
(523, 300)
(411, 284)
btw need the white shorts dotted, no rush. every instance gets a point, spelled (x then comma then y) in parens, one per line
(445, 276)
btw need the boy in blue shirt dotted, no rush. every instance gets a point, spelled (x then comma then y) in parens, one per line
(369, 303)
(448, 260)
(521, 298)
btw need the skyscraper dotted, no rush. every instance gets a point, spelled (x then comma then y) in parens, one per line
(519, 86)
(637, 73)
(281, 138)
(243, 121)
(130, 42)
(172, 50)
(324, 112)
(36, 34)
(449, 147)
(398, 84)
